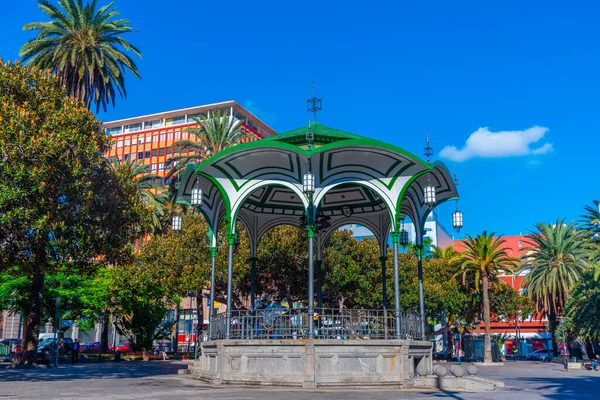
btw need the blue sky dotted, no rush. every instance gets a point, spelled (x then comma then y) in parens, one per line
(522, 77)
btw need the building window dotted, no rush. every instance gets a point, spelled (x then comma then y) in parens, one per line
(127, 157)
(141, 139)
(155, 138)
(119, 144)
(179, 120)
(153, 124)
(127, 142)
(133, 128)
(167, 181)
(154, 167)
(170, 136)
(161, 166)
(140, 155)
(185, 135)
(520, 243)
(133, 156)
(147, 155)
(161, 152)
(177, 134)
(162, 137)
(114, 131)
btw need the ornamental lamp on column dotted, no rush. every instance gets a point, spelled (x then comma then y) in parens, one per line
(196, 199)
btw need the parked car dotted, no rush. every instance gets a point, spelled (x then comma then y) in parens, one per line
(90, 347)
(46, 346)
(123, 347)
(15, 344)
(541, 355)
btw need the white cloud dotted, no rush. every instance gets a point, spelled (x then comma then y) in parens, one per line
(484, 143)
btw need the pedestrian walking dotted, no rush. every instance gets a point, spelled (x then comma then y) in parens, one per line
(515, 353)
(565, 355)
(459, 354)
(75, 353)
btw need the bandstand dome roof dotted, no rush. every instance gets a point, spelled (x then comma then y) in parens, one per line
(357, 180)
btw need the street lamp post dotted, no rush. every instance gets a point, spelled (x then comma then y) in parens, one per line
(56, 327)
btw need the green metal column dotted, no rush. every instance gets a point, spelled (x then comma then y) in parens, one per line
(319, 264)
(395, 240)
(252, 281)
(421, 296)
(383, 260)
(211, 309)
(311, 281)
(231, 240)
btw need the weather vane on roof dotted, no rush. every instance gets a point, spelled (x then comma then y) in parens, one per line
(314, 105)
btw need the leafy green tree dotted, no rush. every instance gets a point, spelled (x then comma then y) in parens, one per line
(583, 307)
(484, 258)
(351, 272)
(282, 264)
(59, 203)
(553, 267)
(214, 135)
(142, 299)
(82, 45)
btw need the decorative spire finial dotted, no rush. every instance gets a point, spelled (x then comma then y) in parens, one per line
(428, 148)
(314, 105)
(455, 178)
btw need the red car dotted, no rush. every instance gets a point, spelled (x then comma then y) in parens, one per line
(90, 347)
(123, 347)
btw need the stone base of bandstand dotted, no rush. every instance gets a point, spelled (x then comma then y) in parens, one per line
(313, 363)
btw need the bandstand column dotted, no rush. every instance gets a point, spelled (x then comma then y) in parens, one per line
(319, 265)
(395, 240)
(383, 260)
(311, 281)
(211, 309)
(252, 282)
(421, 295)
(231, 240)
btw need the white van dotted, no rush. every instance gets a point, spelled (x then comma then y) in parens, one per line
(44, 336)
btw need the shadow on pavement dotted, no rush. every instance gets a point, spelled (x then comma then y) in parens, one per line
(108, 370)
(565, 387)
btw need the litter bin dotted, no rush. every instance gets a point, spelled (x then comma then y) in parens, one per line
(117, 356)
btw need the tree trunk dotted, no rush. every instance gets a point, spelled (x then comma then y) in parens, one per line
(552, 326)
(32, 325)
(104, 337)
(487, 358)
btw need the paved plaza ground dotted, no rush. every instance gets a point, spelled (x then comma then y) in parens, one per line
(159, 380)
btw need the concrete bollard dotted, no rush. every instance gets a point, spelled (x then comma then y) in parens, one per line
(472, 370)
(457, 371)
(440, 371)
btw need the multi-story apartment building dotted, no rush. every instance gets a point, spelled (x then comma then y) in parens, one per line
(150, 138)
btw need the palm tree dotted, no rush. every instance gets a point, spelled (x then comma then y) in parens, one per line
(215, 134)
(590, 223)
(152, 194)
(484, 257)
(553, 266)
(82, 47)
(445, 254)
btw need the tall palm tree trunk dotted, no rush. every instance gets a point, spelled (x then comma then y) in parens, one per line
(487, 358)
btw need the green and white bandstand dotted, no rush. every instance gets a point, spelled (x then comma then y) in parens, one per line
(319, 179)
